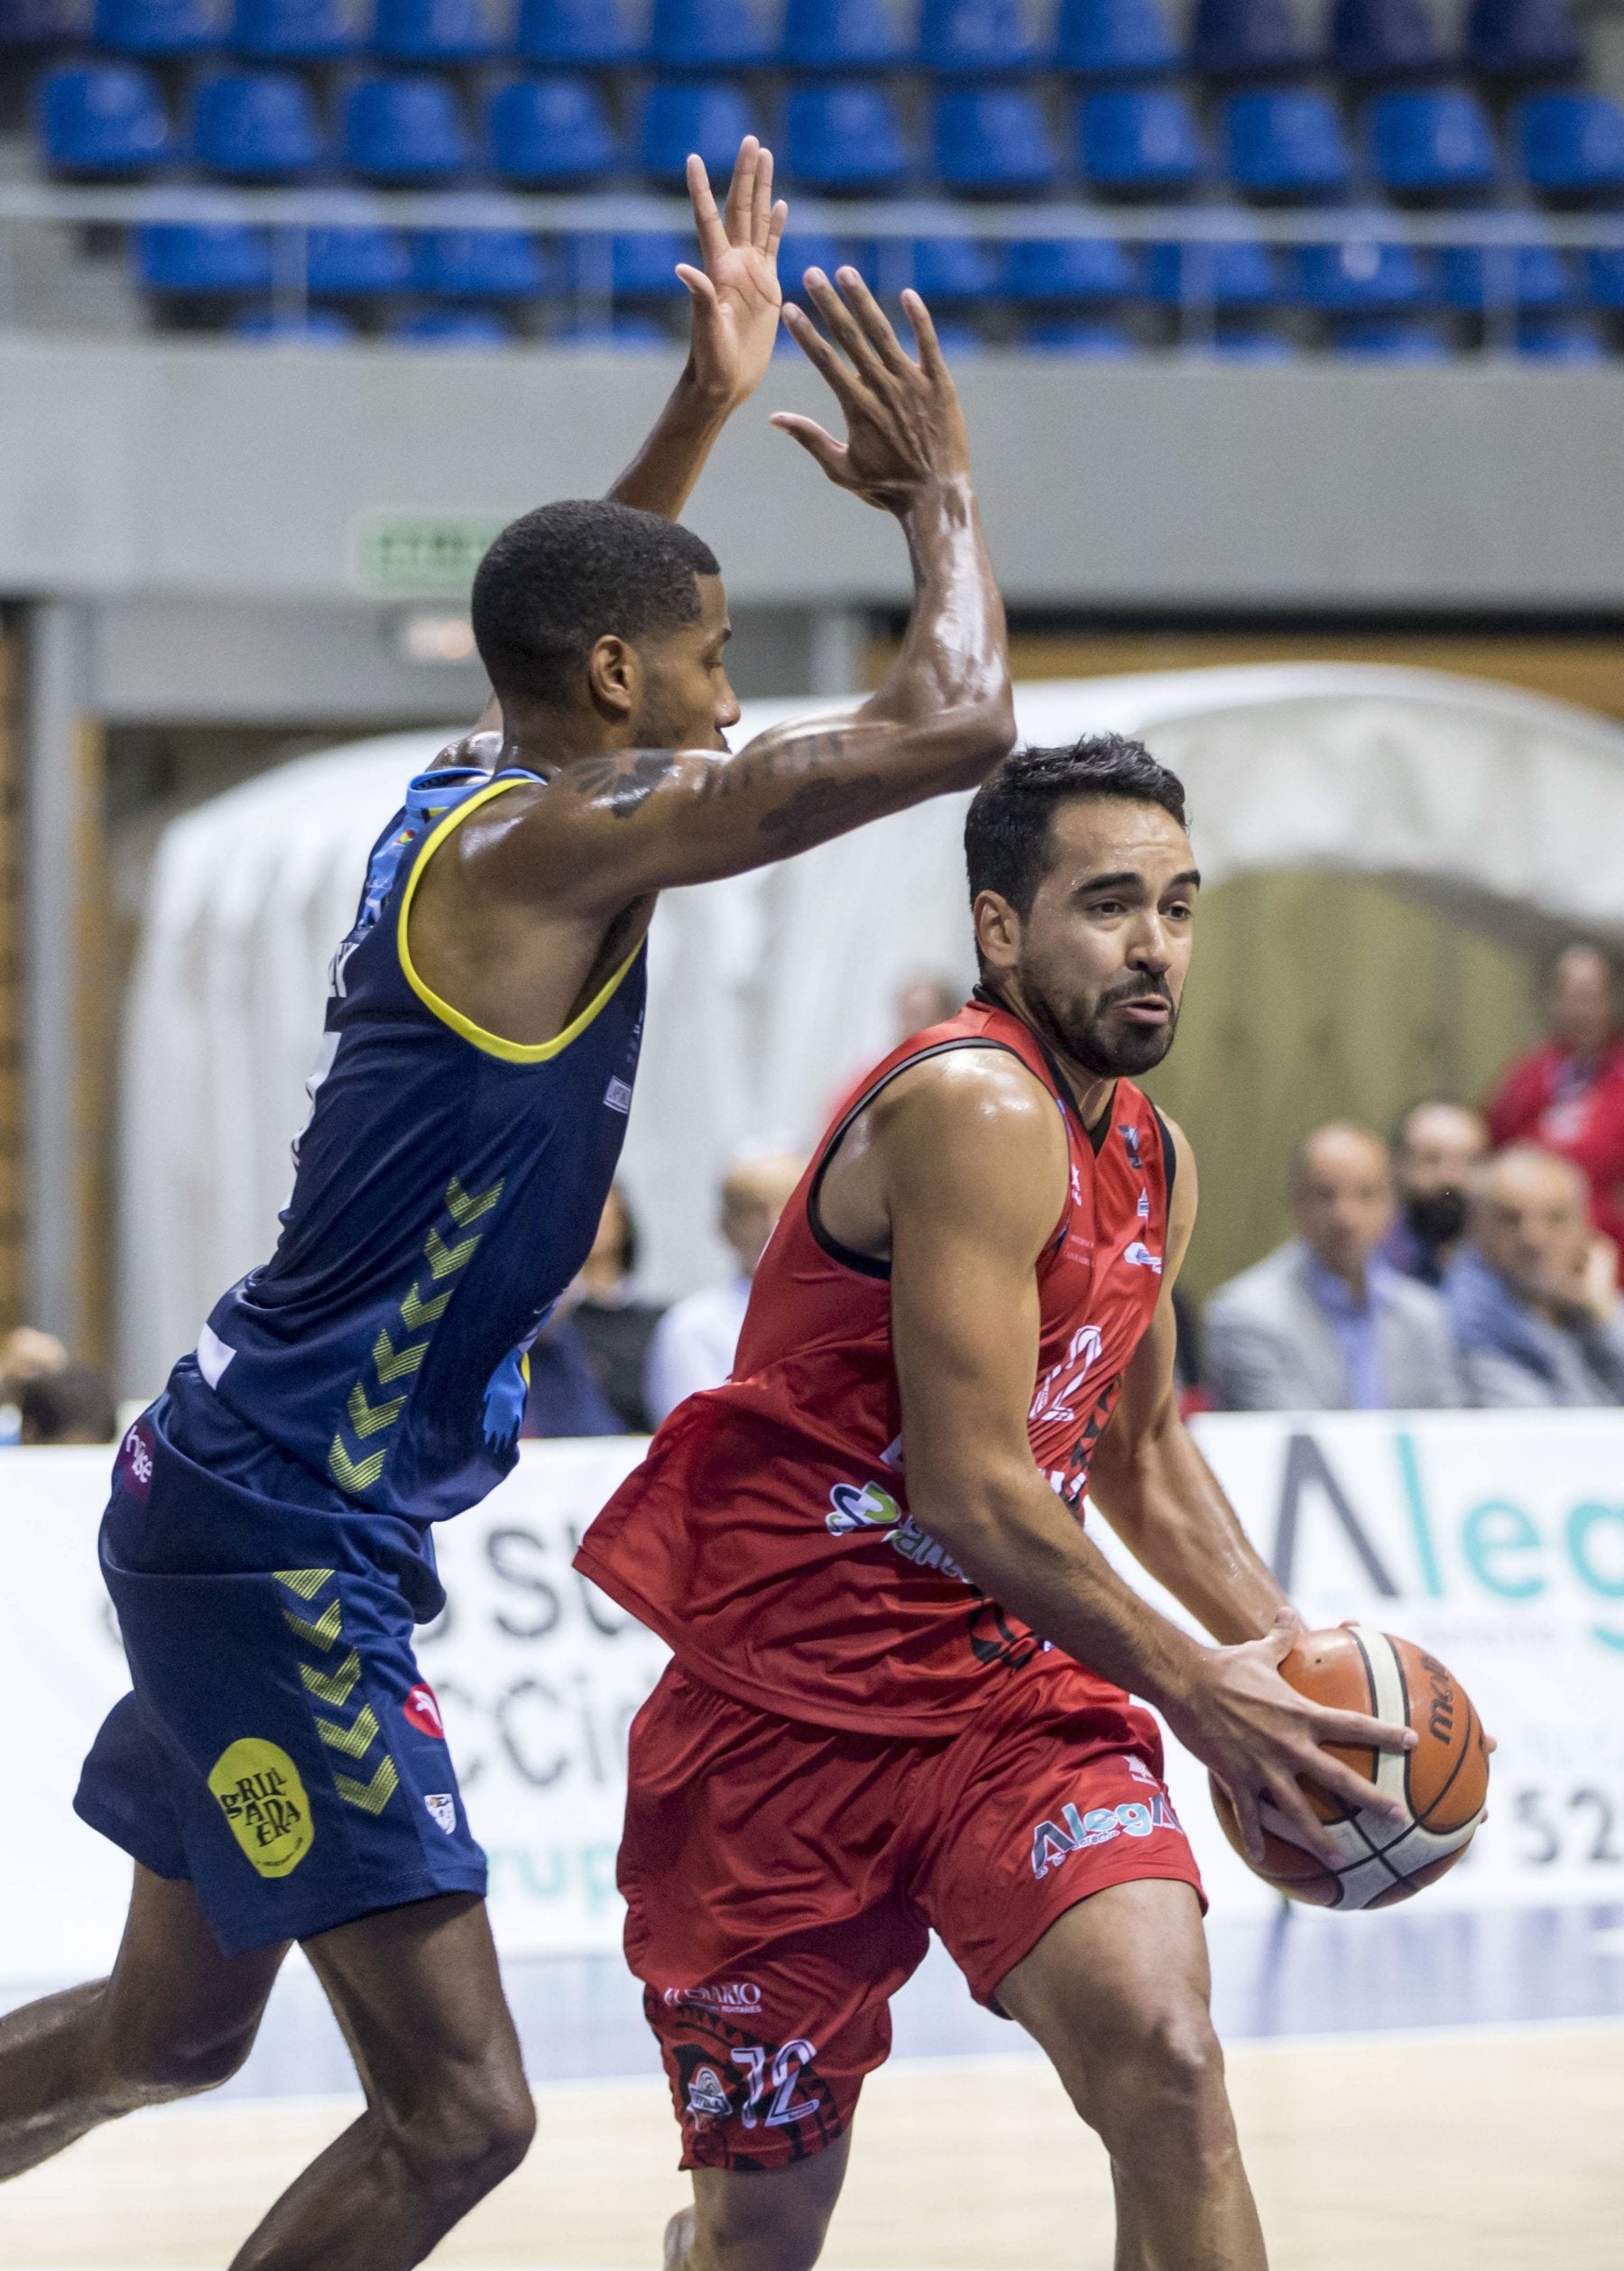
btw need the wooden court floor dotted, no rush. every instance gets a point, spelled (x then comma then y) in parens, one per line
(1469, 2151)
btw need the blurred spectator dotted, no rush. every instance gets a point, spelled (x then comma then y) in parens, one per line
(564, 1398)
(614, 1324)
(1533, 1295)
(930, 997)
(26, 1354)
(1437, 1150)
(1323, 1323)
(71, 1404)
(694, 1342)
(1567, 1095)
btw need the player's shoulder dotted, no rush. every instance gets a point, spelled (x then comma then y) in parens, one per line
(976, 1088)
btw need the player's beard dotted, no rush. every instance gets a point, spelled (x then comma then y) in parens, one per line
(1095, 1037)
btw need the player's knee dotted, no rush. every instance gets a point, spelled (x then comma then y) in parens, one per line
(745, 2235)
(463, 2137)
(146, 2069)
(1166, 2090)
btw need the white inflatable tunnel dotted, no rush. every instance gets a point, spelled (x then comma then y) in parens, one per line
(768, 991)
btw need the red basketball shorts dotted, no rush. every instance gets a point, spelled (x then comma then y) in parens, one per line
(781, 1881)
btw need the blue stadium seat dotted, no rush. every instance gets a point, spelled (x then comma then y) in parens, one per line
(29, 24)
(256, 126)
(1384, 39)
(355, 263)
(1359, 277)
(1432, 145)
(951, 272)
(1246, 39)
(1287, 144)
(435, 32)
(841, 35)
(101, 118)
(404, 129)
(1139, 142)
(844, 139)
(1572, 147)
(802, 251)
(1236, 274)
(972, 38)
(1389, 343)
(583, 35)
(994, 141)
(708, 35)
(1603, 270)
(1569, 342)
(1115, 39)
(622, 335)
(1522, 40)
(959, 340)
(1233, 344)
(297, 31)
(202, 259)
(474, 328)
(160, 27)
(271, 328)
(636, 266)
(474, 263)
(1058, 271)
(707, 115)
(1515, 275)
(550, 133)
(1086, 340)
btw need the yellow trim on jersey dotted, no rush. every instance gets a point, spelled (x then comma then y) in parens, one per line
(493, 1044)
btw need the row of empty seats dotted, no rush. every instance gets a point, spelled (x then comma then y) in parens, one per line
(1228, 39)
(1357, 275)
(1423, 145)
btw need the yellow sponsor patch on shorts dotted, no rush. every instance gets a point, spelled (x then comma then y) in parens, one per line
(263, 1798)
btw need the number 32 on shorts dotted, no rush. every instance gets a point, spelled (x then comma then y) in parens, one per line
(783, 2079)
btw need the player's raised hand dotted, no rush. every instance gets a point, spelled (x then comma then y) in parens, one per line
(904, 425)
(735, 294)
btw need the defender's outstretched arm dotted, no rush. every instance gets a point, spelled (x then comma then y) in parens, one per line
(632, 822)
(736, 299)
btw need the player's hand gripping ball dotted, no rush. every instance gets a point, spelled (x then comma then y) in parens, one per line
(1443, 1781)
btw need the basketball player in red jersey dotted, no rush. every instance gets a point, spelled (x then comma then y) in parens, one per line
(963, 1320)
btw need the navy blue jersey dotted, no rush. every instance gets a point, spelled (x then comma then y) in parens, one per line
(448, 1188)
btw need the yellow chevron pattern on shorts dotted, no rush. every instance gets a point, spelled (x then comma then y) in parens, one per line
(355, 1741)
(367, 1419)
(415, 1312)
(466, 1207)
(371, 1796)
(392, 1363)
(352, 1475)
(333, 1687)
(323, 1632)
(306, 1583)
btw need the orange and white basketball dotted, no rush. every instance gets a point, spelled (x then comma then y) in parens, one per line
(1443, 1782)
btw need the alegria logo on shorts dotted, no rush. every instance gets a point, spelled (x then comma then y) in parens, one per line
(864, 1506)
(1052, 1842)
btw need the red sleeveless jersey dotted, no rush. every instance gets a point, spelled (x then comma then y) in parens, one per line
(767, 1538)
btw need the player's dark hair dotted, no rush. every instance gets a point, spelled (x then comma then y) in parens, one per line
(562, 578)
(1007, 831)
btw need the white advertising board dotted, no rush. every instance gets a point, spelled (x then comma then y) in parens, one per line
(1494, 1539)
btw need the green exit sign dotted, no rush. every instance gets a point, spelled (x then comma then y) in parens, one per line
(422, 554)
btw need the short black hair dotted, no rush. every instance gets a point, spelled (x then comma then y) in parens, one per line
(1007, 831)
(560, 578)
(74, 1405)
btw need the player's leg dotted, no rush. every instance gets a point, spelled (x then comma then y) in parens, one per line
(176, 2017)
(759, 2220)
(1116, 1991)
(449, 2114)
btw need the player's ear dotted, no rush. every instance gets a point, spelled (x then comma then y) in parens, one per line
(614, 676)
(997, 931)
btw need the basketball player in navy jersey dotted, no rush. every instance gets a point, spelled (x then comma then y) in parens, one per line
(900, 1698)
(279, 1772)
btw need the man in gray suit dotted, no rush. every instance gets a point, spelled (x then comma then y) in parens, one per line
(1323, 1323)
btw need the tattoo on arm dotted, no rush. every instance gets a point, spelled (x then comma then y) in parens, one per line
(623, 783)
(819, 808)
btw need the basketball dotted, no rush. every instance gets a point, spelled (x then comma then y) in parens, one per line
(1443, 1780)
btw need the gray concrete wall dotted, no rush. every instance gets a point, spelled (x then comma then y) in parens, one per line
(152, 470)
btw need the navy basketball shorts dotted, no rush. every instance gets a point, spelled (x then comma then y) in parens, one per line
(280, 1750)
